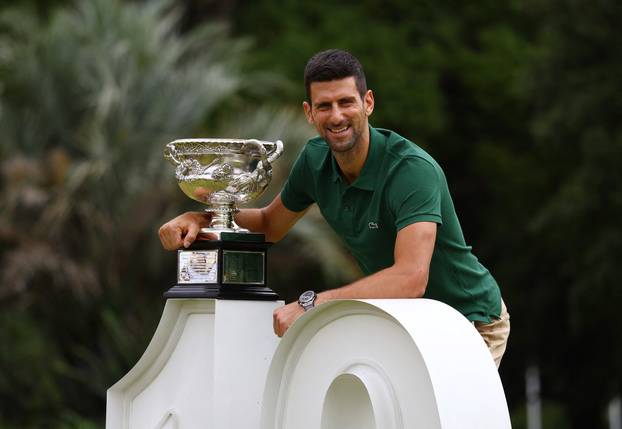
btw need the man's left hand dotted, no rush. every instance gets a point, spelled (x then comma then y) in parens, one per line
(284, 317)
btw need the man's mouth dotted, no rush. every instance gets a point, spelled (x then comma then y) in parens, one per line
(340, 130)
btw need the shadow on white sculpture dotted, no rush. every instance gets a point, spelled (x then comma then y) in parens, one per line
(346, 364)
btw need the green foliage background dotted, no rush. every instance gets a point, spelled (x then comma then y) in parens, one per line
(519, 101)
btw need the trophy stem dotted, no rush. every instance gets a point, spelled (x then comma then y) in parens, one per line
(222, 218)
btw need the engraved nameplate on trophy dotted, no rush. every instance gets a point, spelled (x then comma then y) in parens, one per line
(197, 267)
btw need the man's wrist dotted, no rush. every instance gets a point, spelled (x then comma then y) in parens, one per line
(203, 219)
(323, 297)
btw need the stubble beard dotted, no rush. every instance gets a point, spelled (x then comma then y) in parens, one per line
(344, 147)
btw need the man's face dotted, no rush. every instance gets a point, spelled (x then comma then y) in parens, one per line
(338, 112)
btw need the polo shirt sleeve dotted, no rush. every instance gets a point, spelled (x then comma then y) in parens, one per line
(296, 193)
(415, 193)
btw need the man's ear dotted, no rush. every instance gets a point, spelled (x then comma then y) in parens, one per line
(307, 108)
(369, 102)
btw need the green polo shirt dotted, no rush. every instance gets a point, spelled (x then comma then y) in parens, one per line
(400, 184)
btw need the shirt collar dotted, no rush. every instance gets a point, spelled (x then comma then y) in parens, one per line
(368, 176)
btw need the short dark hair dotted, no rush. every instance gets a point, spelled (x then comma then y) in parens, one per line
(334, 64)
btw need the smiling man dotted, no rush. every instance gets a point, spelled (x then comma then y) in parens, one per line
(384, 196)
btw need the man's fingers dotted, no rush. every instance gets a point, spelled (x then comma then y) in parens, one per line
(191, 235)
(277, 323)
(183, 230)
(170, 237)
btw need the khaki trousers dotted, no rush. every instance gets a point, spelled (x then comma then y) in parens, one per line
(496, 334)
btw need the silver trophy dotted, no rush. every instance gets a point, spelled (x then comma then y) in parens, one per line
(223, 173)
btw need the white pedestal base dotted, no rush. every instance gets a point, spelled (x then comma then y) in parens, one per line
(358, 364)
(205, 367)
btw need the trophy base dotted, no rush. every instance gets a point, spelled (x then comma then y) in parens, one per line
(234, 267)
(230, 234)
(248, 293)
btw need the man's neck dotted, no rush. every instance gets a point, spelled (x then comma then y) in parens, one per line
(351, 162)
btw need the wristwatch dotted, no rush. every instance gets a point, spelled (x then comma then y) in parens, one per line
(307, 300)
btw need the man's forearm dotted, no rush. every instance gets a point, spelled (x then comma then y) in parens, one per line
(274, 220)
(392, 282)
(255, 220)
(251, 219)
(406, 278)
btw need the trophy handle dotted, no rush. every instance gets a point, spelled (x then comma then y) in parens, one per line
(277, 152)
(170, 154)
(263, 154)
(265, 164)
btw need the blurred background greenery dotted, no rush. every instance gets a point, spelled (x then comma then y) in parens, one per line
(519, 100)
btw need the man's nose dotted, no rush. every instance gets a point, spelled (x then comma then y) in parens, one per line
(336, 114)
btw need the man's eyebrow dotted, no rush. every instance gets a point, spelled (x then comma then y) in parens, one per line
(349, 98)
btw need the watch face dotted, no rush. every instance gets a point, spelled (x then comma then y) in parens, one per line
(307, 297)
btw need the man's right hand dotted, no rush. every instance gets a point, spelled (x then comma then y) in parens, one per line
(183, 230)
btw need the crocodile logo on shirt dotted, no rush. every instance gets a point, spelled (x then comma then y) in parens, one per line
(372, 225)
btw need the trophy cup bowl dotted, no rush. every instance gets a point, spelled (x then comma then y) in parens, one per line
(223, 173)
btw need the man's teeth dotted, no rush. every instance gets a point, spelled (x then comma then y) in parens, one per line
(340, 130)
